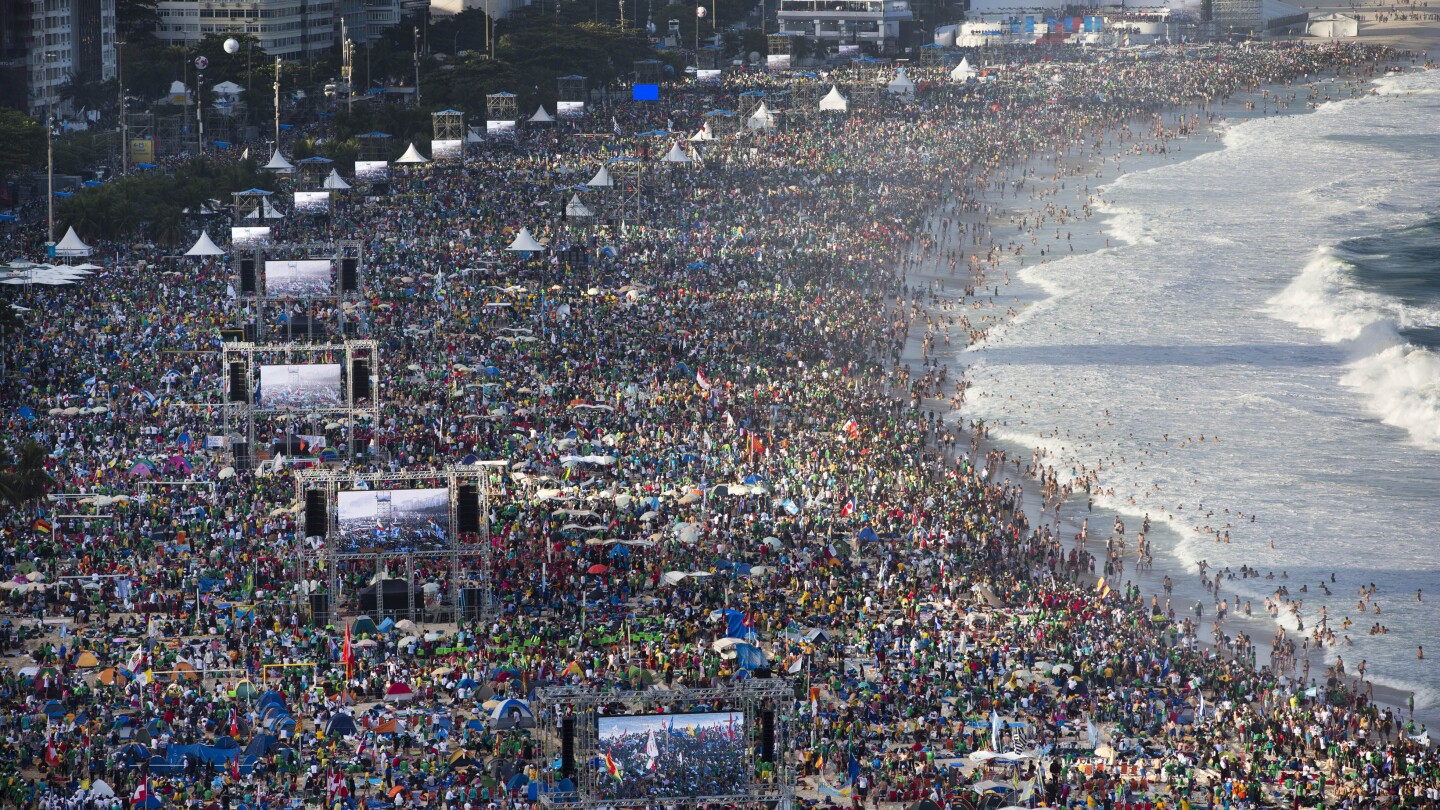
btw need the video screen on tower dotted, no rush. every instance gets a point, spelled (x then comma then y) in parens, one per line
(370, 171)
(312, 202)
(416, 519)
(298, 279)
(655, 756)
(447, 149)
(300, 387)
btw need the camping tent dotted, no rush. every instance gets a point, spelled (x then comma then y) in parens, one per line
(71, 245)
(901, 85)
(834, 102)
(341, 725)
(413, 156)
(204, 247)
(512, 713)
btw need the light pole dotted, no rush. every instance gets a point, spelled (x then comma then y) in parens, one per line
(124, 132)
(417, 66)
(49, 150)
(277, 104)
(200, 64)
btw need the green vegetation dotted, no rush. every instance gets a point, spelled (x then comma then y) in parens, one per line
(155, 202)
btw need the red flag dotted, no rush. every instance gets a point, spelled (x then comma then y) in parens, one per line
(234, 725)
(235, 768)
(347, 655)
(847, 508)
(141, 794)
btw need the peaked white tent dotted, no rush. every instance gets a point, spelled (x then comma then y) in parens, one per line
(204, 247)
(762, 118)
(704, 134)
(71, 245)
(335, 182)
(963, 72)
(542, 117)
(1332, 26)
(601, 179)
(901, 84)
(265, 211)
(576, 208)
(834, 102)
(473, 136)
(525, 243)
(413, 156)
(278, 163)
(675, 155)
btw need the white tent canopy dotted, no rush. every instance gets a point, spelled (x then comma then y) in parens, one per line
(525, 242)
(412, 155)
(833, 101)
(704, 134)
(265, 211)
(204, 247)
(762, 118)
(601, 179)
(675, 155)
(576, 208)
(71, 245)
(278, 163)
(901, 84)
(335, 182)
(1332, 26)
(542, 117)
(963, 72)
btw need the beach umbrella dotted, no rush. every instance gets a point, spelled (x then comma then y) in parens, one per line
(597, 568)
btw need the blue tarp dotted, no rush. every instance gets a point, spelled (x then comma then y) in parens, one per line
(748, 656)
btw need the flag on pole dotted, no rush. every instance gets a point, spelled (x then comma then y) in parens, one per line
(701, 381)
(141, 794)
(848, 508)
(612, 768)
(994, 730)
(347, 655)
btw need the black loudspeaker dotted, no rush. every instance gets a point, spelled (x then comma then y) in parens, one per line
(358, 447)
(242, 455)
(319, 609)
(247, 276)
(239, 386)
(467, 509)
(360, 379)
(470, 602)
(232, 335)
(315, 513)
(349, 275)
(767, 736)
(567, 747)
(802, 692)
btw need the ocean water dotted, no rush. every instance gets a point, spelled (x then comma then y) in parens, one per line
(1280, 296)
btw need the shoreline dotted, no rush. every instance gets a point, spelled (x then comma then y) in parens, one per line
(1024, 298)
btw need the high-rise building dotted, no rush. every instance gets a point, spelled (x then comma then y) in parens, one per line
(367, 20)
(839, 22)
(47, 44)
(292, 29)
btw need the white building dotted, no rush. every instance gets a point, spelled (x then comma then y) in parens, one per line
(835, 22)
(498, 9)
(367, 20)
(61, 40)
(292, 29)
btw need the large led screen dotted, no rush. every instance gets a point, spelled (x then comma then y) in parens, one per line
(500, 128)
(416, 519)
(569, 109)
(249, 235)
(654, 756)
(312, 202)
(299, 387)
(307, 278)
(447, 149)
(369, 171)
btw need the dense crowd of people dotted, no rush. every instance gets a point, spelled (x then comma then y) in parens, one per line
(721, 400)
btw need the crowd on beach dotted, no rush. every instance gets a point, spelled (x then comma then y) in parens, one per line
(728, 404)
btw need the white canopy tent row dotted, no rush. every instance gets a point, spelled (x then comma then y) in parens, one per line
(265, 211)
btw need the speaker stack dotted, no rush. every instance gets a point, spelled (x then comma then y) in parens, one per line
(467, 509)
(316, 515)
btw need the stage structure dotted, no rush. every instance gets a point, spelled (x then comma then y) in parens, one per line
(501, 115)
(447, 141)
(777, 48)
(571, 95)
(649, 71)
(634, 755)
(625, 197)
(300, 291)
(304, 392)
(393, 521)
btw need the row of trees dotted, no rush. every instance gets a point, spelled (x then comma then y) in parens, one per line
(154, 204)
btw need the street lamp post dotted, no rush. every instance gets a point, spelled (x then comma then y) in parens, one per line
(49, 151)
(124, 131)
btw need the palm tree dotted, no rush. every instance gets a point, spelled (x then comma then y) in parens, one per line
(8, 493)
(29, 480)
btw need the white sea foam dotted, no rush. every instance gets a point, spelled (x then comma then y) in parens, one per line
(1218, 313)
